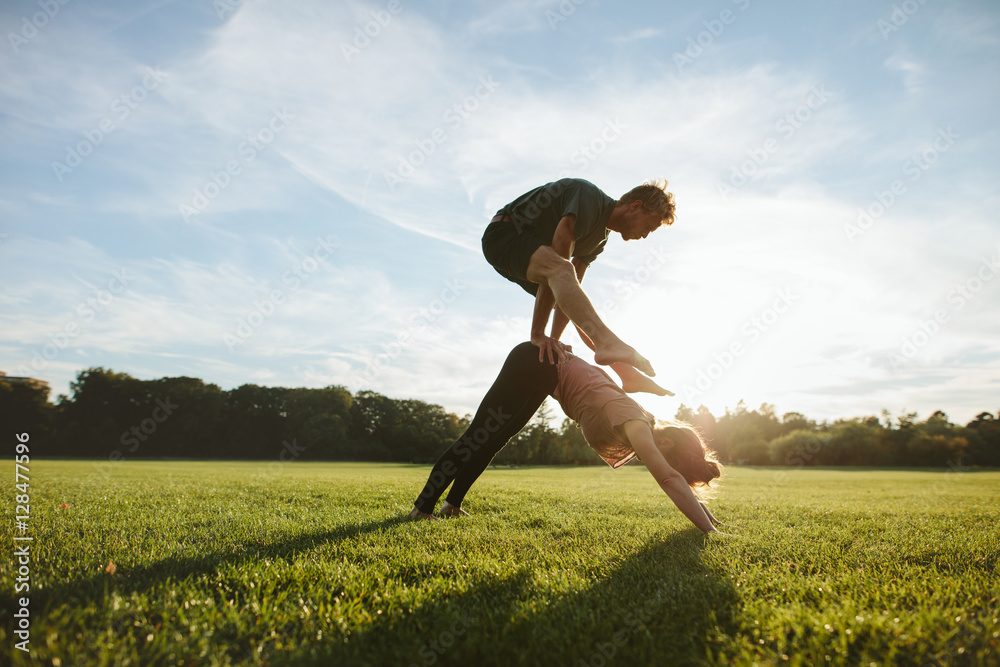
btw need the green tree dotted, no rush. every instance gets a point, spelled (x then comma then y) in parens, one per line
(385, 429)
(536, 444)
(421, 432)
(188, 419)
(796, 421)
(573, 446)
(318, 421)
(797, 448)
(706, 424)
(935, 450)
(743, 435)
(97, 418)
(25, 408)
(984, 446)
(895, 438)
(254, 422)
(685, 414)
(849, 443)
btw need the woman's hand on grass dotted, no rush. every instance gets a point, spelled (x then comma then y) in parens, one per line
(711, 517)
(722, 534)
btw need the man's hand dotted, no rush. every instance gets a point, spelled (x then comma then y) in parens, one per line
(554, 349)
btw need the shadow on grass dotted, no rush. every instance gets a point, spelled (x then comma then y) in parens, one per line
(659, 605)
(93, 590)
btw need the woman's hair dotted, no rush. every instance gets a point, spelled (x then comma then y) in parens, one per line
(687, 453)
(655, 199)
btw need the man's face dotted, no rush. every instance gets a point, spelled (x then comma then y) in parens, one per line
(639, 223)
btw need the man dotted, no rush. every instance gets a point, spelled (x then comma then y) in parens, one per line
(544, 241)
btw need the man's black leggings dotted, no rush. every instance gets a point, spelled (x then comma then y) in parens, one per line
(516, 394)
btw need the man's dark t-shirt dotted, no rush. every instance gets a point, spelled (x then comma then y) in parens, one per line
(540, 210)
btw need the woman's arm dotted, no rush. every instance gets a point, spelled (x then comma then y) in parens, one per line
(711, 517)
(716, 522)
(640, 436)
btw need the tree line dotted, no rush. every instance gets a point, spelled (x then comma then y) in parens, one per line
(114, 416)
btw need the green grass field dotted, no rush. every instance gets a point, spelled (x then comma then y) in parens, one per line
(251, 563)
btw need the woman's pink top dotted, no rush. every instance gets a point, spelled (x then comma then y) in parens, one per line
(590, 397)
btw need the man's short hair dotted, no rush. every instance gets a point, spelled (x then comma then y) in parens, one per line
(655, 199)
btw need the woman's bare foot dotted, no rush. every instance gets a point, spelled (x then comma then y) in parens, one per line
(622, 353)
(417, 514)
(633, 381)
(449, 511)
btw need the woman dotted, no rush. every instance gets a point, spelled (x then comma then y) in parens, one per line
(613, 424)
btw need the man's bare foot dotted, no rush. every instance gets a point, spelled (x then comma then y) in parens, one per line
(417, 514)
(633, 381)
(449, 511)
(626, 354)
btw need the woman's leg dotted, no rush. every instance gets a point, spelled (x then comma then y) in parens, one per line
(521, 386)
(632, 380)
(536, 380)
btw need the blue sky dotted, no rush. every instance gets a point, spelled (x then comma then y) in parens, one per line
(292, 193)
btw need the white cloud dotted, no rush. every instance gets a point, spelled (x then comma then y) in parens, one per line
(637, 34)
(519, 16)
(357, 116)
(965, 26)
(913, 73)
